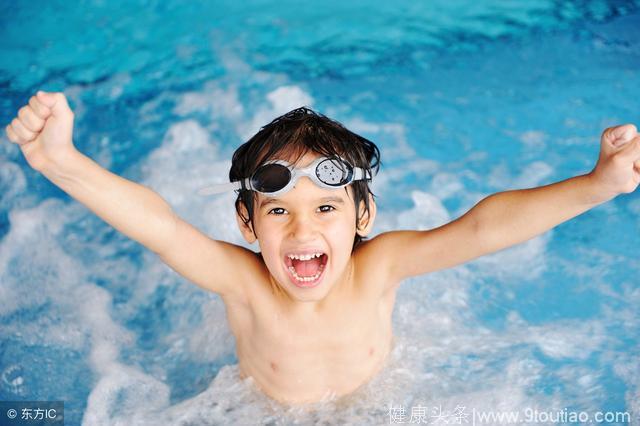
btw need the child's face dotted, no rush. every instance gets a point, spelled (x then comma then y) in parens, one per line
(307, 219)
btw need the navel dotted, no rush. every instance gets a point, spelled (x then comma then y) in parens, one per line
(371, 351)
(274, 366)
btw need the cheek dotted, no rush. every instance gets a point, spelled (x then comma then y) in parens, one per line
(263, 234)
(342, 233)
(271, 259)
(269, 241)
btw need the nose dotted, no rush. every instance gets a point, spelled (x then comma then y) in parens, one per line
(303, 228)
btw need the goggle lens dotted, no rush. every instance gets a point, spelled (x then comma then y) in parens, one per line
(334, 172)
(271, 178)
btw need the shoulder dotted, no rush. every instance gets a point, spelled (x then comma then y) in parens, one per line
(244, 271)
(376, 250)
(256, 287)
(373, 262)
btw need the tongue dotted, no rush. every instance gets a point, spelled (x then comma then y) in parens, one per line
(306, 268)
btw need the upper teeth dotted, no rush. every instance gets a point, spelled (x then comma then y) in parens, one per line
(304, 256)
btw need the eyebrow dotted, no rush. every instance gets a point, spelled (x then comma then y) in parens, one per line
(268, 201)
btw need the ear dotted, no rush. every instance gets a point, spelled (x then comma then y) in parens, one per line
(245, 228)
(365, 221)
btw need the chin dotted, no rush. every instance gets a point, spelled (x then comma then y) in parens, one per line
(306, 296)
(316, 293)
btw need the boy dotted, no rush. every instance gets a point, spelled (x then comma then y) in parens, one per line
(312, 311)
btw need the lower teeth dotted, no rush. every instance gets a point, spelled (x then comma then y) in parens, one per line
(306, 279)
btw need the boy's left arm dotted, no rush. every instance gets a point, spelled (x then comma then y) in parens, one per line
(507, 218)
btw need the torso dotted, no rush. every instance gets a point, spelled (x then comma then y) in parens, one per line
(297, 359)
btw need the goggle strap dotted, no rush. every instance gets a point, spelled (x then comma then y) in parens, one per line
(219, 188)
(360, 174)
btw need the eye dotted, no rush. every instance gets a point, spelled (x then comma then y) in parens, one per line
(326, 208)
(277, 211)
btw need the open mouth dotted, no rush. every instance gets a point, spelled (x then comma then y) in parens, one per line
(305, 270)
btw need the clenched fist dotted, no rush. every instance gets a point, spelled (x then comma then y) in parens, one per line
(618, 167)
(44, 130)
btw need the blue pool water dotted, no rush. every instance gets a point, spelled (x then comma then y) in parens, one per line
(463, 98)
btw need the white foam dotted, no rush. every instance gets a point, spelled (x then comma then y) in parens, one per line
(428, 212)
(219, 102)
(568, 339)
(533, 139)
(533, 175)
(30, 241)
(198, 341)
(446, 185)
(12, 182)
(398, 147)
(388, 179)
(76, 311)
(164, 170)
(285, 98)
(124, 396)
(282, 100)
(526, 259)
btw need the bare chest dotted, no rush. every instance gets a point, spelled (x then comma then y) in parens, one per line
(297, 358)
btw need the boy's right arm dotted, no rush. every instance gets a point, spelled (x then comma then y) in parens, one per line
(43, 129)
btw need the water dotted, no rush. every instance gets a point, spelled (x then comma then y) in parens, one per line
(464, 99)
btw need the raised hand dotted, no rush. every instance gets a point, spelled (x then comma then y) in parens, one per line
(44, 129)
(618, 167)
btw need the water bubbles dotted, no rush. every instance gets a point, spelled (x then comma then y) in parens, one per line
(12, 379)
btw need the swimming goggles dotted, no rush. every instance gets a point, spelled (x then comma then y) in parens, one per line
(278, 176)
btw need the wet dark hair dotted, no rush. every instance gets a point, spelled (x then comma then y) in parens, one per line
(292, 135)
